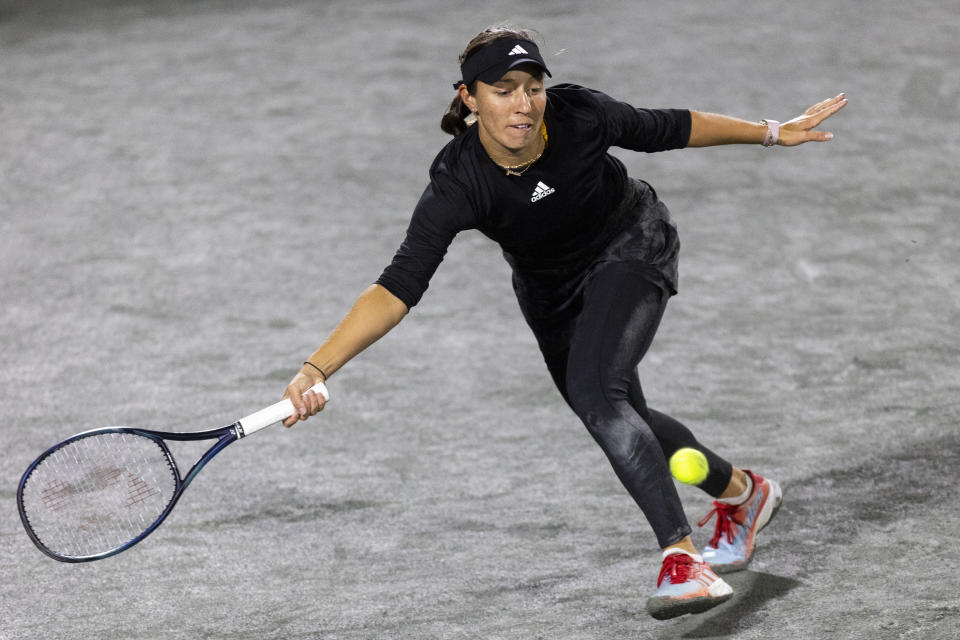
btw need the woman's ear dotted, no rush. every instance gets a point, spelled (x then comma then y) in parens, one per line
(467, 99)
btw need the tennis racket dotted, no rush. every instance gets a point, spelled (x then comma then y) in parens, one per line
(102, 491)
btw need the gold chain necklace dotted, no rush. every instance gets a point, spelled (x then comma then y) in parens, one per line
(512, 170)
(523, 166)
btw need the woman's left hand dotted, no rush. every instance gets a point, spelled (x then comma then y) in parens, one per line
(802, 128)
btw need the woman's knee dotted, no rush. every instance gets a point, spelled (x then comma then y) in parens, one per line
(591, 394)
(606, 411)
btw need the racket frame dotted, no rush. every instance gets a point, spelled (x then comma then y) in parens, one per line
(224, 435)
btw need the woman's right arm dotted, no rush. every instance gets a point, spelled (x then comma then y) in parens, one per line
(373, 315)
(443, 210)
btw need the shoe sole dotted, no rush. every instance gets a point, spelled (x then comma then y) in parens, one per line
(769, 510)
(667, 608)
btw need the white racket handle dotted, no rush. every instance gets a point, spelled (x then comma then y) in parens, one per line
(274, 413)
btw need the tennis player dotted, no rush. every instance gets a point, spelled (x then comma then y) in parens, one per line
(594, 260)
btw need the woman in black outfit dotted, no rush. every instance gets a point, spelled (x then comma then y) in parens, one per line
(594, 259)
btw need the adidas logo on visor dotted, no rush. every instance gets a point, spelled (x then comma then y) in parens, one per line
(541, 192)
(517, 50)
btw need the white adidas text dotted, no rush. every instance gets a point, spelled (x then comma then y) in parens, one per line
(542, 191)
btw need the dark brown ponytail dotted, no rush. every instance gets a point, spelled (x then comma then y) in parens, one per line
(454, 120)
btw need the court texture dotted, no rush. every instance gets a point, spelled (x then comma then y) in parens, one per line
(193, 193)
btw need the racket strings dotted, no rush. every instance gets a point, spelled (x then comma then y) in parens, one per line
(97, 493)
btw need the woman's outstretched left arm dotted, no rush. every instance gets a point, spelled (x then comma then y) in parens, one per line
(711, 129)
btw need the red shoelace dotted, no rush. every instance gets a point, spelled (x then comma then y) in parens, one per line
(678, 566)
(726, 515)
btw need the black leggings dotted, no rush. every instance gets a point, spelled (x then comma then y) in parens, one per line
(592, 350)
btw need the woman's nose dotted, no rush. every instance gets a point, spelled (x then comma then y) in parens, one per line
(524, 102)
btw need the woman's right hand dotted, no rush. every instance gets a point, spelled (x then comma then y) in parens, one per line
(306, 403)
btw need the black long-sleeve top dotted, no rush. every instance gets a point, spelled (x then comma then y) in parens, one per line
(557, 215)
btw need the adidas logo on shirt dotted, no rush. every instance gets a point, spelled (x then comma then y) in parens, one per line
(541, 192)
(517, 50)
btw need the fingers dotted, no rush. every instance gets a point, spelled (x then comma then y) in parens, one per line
(819, 136)
(823, 110)
(792, 138)
(801, 128)
(829, 103)
(306, 403)
(313, 403)
(829, 108)
(299, 406)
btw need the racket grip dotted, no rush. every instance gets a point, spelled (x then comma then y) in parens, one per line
(275, 412)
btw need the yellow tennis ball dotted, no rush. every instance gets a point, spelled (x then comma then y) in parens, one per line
(689, 466)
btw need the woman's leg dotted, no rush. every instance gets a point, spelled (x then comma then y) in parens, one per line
(722, 481)
(620, 315)
(592, 351)
(673, 435)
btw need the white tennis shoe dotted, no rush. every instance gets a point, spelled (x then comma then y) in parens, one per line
(686, 584)
(732, 545)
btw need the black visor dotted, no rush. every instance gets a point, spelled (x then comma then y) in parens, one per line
(496, 58)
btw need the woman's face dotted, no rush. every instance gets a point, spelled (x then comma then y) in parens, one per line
(509, 111)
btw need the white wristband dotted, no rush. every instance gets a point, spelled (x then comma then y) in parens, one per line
(773, 132)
